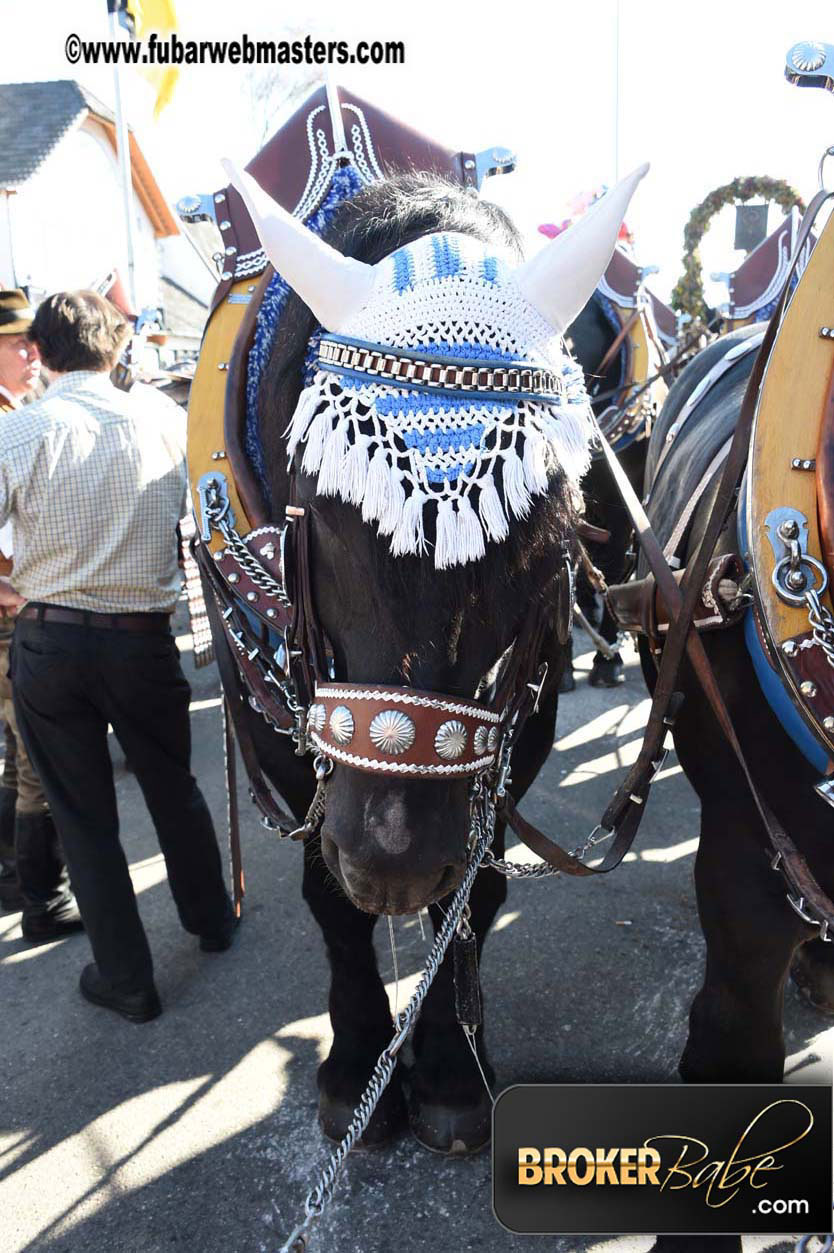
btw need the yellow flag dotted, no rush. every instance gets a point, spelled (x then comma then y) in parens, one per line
(159, 16)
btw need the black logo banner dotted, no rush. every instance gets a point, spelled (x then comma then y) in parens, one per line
(587, 1159)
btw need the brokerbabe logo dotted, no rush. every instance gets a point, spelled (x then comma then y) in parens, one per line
(590, 1159)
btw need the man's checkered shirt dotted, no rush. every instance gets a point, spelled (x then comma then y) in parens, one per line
(94, 480)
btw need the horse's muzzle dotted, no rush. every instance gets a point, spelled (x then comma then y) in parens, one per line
(395, 848)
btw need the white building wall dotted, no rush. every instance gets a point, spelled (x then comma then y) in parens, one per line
(67, 221)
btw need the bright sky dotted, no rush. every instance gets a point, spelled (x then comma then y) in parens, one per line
(702, 94)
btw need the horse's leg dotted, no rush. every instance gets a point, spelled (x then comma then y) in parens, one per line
(450, 1108)
(612, 558)
(813, 973)
(359, 1011)
(735, 1024)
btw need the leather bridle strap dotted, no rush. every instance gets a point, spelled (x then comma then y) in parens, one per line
(611, 351)
(236, 695)
(626, 809)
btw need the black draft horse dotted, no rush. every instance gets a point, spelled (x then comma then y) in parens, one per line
(391, 846)
(386, 846)
(752, 934)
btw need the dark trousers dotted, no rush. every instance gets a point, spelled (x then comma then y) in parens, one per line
(69, 683)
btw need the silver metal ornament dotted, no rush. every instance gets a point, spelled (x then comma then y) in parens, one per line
(450, 740)
(479, 742)
(492, 739)
(392, 732)
(808, 56)
(341, 724)
(315, 718)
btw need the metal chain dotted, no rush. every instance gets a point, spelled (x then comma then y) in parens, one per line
(309, 827)
(541, 870)
(320, 1196)
(216, 509)
(822, 624)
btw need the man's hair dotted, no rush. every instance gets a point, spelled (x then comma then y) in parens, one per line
(78, 331)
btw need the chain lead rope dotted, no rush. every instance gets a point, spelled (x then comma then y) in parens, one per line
(320, 1196)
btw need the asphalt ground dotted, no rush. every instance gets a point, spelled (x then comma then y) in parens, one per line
(197, 1132)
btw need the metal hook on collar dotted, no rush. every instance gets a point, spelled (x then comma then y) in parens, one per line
(829, 152)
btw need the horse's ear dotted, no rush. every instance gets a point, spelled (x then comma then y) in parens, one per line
(560, 280)
(333, 286)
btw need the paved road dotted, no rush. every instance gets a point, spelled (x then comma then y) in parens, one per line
(197, 1132)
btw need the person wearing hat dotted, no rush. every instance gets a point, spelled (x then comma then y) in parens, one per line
(33, 876)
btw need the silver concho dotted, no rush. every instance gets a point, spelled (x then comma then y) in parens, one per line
(479, 743)
(808, 56)
(450, 741)
(341, 724)
(492, 739)
(392, 732)
(315, 718)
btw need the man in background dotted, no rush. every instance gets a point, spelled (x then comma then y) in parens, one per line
(95, 483)
(33, 876)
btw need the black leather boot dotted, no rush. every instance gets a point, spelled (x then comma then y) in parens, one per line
(49, 908)
(10, 895)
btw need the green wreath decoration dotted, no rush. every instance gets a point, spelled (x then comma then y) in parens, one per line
(688, 296)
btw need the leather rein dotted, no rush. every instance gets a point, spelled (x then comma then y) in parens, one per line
(259, 589)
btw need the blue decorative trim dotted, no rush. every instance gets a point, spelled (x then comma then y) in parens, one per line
(403, 269)
(489, 269)
(344, 183)
(446, 255)
(421, 402)
(444, 441)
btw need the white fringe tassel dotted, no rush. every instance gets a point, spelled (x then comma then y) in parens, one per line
(446, 542)
(409, 535)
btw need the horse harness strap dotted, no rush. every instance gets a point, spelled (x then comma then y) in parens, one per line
(623, 815)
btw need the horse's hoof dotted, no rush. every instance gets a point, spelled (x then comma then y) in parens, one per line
(814, 981)
(606, 671)
(567, 683)
(455, 1132)
(387, 1121)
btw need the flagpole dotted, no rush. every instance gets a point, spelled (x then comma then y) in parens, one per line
(123, 147)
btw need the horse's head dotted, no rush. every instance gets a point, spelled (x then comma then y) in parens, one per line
(440, 519)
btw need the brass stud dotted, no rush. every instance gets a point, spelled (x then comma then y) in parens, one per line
(234, 577)
(808, 688)
(251, 597)
(790, 648)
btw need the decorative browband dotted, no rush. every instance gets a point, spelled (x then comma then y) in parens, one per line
(401, 731)
(423, 372)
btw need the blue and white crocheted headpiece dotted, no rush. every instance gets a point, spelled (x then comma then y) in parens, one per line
(442, 383)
